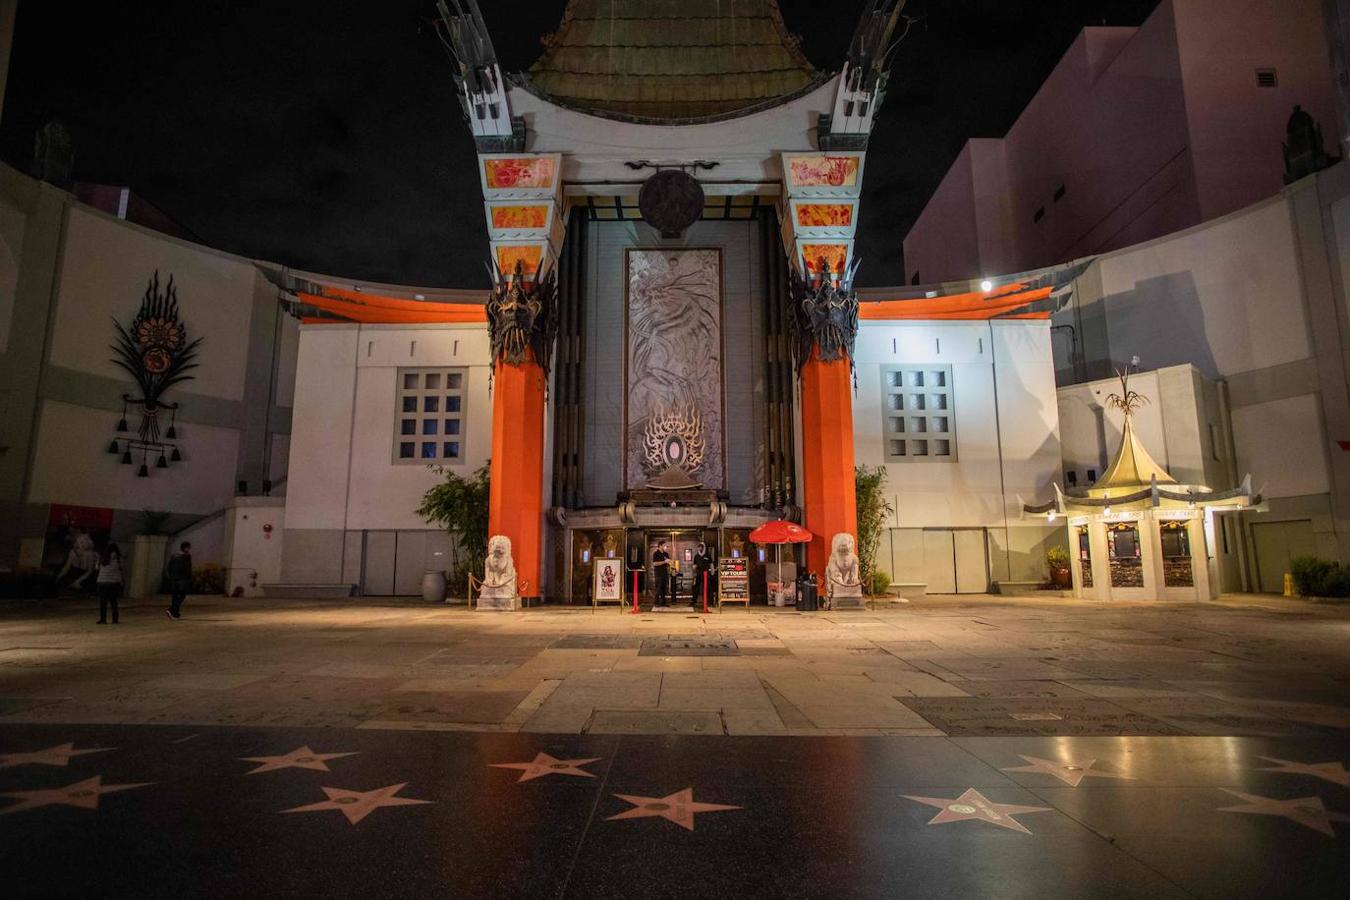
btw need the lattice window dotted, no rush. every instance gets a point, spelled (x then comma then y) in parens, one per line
(918, 414)
(429, 419)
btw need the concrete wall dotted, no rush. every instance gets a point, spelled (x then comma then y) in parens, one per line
(1235, 126)
(1007, 439)
(1147, 131)
(343, 478)
(66, 273)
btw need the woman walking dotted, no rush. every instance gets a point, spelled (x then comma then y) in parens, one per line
(109, 583)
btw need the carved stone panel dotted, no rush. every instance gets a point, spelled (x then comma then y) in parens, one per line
(673, 414)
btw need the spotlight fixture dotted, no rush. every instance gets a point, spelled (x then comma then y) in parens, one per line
(121, 424)
(113, 448)
(986, 285)
(126, 458)
(161, 463)
(175, 455)
(144, 471)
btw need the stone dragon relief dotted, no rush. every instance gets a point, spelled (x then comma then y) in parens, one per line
(674, 355)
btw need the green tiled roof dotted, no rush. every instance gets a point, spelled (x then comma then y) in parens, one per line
(671, 59)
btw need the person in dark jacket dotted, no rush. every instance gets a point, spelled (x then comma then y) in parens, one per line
(109, 583)
(705, 567)
(179, 575)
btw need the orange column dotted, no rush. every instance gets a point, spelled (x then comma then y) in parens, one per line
(827, 455)
(516, 504)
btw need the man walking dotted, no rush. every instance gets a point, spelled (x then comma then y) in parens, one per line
(179, 574)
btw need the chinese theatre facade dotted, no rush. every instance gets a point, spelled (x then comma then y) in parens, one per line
(673, 348)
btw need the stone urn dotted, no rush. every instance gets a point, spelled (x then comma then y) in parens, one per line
(433, 587)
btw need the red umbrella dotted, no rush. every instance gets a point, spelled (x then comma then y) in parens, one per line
(781, 532)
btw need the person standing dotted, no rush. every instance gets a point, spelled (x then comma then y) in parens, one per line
(109, 583)
(661, 566)
(179, 573)
(703, 571)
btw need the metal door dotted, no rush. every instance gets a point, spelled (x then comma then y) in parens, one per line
(377, 563)
(1276, 544)
(939, 561)
(410, 562)
(971, 561)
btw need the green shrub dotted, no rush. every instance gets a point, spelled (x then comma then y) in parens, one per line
(878, 584)
(208, 579)
(1315, 577)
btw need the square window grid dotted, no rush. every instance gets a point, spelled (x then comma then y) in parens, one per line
(918, 413)
(430, 425)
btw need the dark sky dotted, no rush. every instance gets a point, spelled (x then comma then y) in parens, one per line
(327, 136)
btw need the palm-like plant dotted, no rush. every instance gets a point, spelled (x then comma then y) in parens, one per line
(1127, 401)
(155, 352)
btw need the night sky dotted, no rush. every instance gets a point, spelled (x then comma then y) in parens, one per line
(327, 135)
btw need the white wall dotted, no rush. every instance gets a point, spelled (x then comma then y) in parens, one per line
(1279, 444)
(1225, 297)
(342, 469)
(253, 548)
(972, 491)
(105, 266)
(321, 426)
(74, 465)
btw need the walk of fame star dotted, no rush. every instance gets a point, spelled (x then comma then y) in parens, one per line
(53, 756)
(1327, 771)
(679, 808)
(543, 764)
(1071, 773)
(356, 805)
(300, 758)
(974, 805)
(1306, 811)
(81, 794)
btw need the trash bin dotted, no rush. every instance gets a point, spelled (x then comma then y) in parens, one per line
(807, 598)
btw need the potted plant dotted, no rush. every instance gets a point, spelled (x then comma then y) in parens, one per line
(1057, 558)
(460, 506)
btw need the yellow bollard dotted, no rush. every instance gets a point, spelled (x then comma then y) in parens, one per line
(1288, 585)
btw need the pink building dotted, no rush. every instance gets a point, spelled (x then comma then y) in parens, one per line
(1138, 132)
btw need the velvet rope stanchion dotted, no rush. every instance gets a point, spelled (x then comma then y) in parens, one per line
(705, 592)
(635, 592)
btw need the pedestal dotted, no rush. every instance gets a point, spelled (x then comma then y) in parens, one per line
(501, 599)
(848, 597)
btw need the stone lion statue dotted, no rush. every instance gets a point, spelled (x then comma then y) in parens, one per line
(499, 576)
(841, 574)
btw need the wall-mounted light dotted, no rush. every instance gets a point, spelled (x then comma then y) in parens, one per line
(986, 285)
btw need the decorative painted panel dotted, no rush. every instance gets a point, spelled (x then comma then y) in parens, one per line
(674, 414)
(520, 176)
(823, 174)
(835, 254)
(530, 253)
(824, 218)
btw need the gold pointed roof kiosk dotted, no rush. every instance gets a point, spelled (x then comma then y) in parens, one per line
(1132, 532)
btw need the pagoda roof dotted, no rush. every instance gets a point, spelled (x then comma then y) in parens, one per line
(667, 61)
(1133, 467)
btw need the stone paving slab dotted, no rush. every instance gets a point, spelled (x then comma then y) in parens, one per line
(1239, 667)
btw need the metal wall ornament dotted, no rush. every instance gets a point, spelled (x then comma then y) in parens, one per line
(674, 438)
(523, 316)
(824, 314)
(156, 353)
